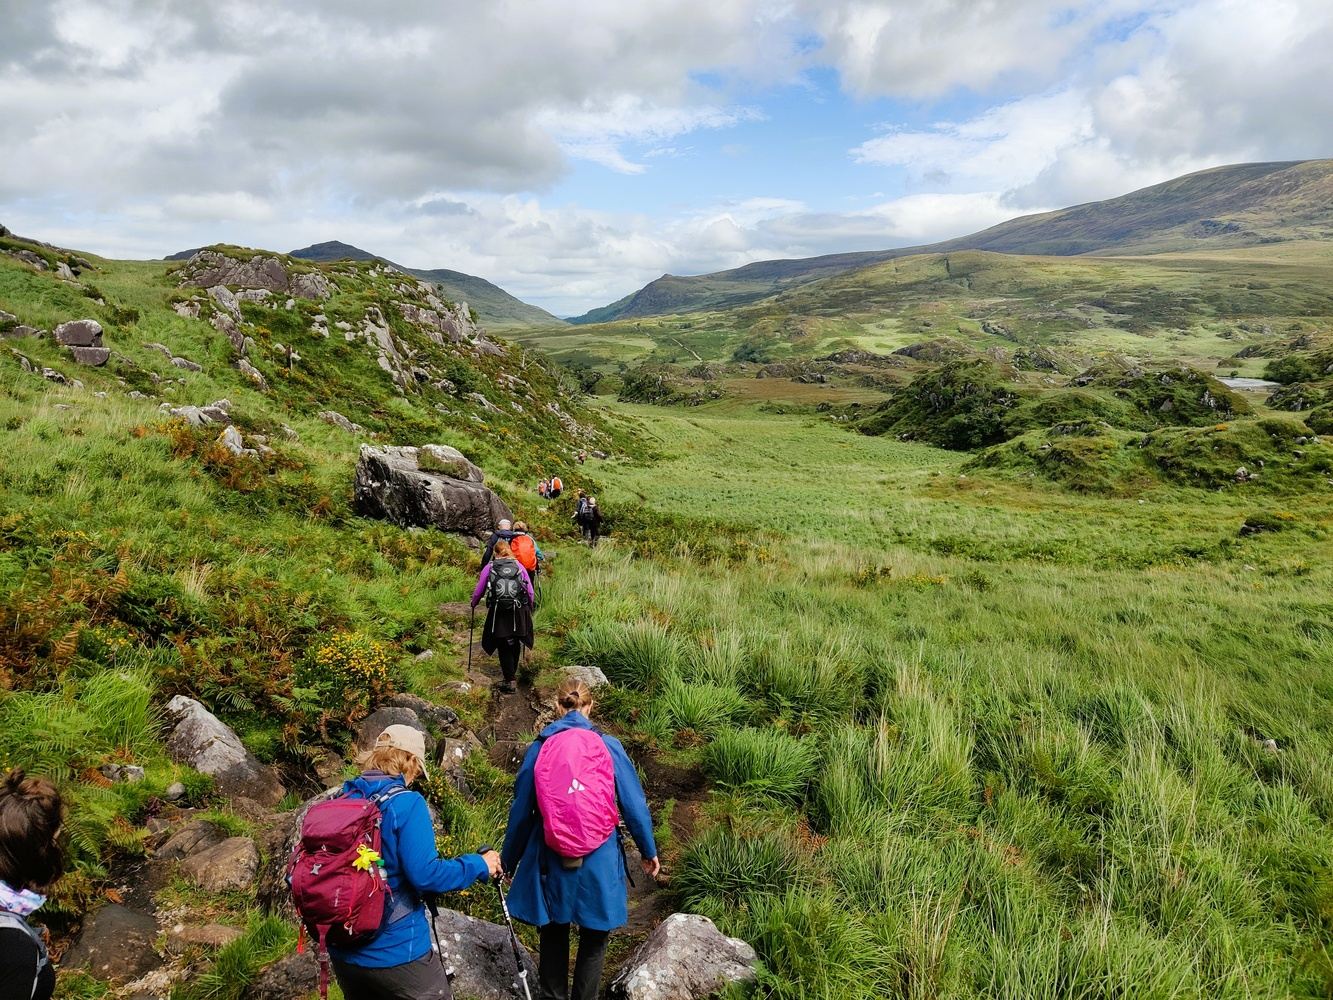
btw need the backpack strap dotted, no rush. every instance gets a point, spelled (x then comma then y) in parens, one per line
(13, 920)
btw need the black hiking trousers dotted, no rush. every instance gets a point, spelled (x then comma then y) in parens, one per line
(509, 651)
(553, 963)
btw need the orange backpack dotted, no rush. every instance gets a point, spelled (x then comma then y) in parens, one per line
(556, 484)
(524, 551)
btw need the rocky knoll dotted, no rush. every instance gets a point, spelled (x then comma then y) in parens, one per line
(433, 486)
(209, 268)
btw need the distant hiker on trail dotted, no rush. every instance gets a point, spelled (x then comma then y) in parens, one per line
(557, 487)
(544, 488)
(562, 846)
(509, 599)
(31, 814)
(588, 516)
(583, 457)
(397, 961)
(504, 531)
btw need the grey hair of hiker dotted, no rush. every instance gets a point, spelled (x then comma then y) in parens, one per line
(574, 695)
(504, 524)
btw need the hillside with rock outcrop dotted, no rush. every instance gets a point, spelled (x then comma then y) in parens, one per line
(241, 503)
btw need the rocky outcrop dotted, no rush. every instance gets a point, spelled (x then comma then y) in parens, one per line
(482, 958)
(392, 484)
(338, 420)
(203, 742)
(210, 268)
(116, 944)
(216, 412)
(382, 718)
(685, 958)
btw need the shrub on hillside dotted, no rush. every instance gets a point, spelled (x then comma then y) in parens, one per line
(347, 674)
(960, 405)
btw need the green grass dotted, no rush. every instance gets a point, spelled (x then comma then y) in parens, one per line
(1022, 726)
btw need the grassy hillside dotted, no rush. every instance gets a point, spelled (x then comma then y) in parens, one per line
(972, 737)
(493, 305)
(1251, 204)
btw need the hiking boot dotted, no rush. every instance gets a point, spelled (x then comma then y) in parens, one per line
(508, 687)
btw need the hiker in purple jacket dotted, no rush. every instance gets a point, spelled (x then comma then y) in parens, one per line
(509, 601)
(547, 892)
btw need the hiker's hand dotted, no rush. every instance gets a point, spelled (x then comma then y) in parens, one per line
(651, 867)
(492, 859)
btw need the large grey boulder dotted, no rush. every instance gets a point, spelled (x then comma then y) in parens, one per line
(482, 958)
(685, 958)
(206, 744)
(116, 944)
(94, 357)
(79, 333)
(392, 484)
(441, 718)
(194, 837)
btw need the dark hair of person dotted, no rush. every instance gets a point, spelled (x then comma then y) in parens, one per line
(30, 816)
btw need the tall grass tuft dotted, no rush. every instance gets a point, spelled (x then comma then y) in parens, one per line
(642, 654)
(762, 762)
(701, 707)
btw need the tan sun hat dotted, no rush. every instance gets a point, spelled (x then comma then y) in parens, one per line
(405, 738)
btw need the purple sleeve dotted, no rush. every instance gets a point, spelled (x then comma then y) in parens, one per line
(481, 584)
(527, 582)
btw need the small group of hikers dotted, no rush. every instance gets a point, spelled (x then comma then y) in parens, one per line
(562, 857)
(374, 844)
(550, 489)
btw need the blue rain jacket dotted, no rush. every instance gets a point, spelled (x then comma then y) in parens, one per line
(413, 866)
(592, 895)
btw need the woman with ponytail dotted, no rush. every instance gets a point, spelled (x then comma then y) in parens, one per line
(30, 861)
(570, 869)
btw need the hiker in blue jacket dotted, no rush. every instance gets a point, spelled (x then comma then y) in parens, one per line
(399, 961)
(592, 896)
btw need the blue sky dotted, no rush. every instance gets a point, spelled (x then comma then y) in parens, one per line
(571, 160)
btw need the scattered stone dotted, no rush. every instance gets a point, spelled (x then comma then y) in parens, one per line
(136, 394)
(685, 958)
(64, 273)
(201, 416)
(391, 484)
(51, 375)
(424, 655)
(160, 348)
(203, 742)
(125, 773)
(1243, 475)
(590, 675)
(36, 260)
(231, 439)
(116, 944)
(94, 357)
(338, 420)
(79, 333)
(227, 866)
(22, 330)
(482, 958)
(293, 977)
(252, 373)
(439, 717)
(483, 402)
(380, 719)
(196, 836)
(188, 310)
(189, 366)
(183, 936)
(175, 792)
(7, 319)
(329, 770)
(1271, 746)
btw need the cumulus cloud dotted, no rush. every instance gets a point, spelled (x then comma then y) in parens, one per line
(436, 135)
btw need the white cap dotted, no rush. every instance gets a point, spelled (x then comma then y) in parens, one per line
(404, 738)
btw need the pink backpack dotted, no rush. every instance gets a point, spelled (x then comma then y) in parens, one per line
(575, 781)
(339, 901)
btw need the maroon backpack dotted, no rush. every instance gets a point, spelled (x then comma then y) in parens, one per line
(340, 901)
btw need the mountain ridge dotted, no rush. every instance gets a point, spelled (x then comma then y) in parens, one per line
(1221, 207)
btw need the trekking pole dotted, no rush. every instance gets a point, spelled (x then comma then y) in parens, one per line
(471, 624)
(513, 935)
